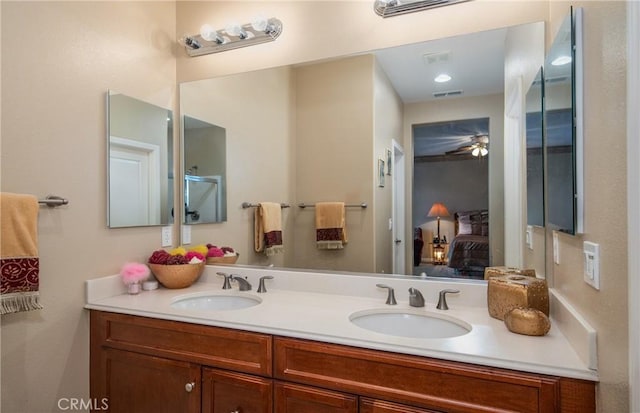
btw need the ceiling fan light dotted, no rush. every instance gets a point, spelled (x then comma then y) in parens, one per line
(475, 151)
(483, 151)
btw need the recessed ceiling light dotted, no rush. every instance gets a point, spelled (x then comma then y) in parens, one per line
(561, 60)
(441, 78)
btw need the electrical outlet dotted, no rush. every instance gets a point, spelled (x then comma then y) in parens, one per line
(166, 236)
(556, 248)
(186, 234)
(591, 270)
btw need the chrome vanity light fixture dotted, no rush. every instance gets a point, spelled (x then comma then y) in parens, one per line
(389, 8)
(234, 36)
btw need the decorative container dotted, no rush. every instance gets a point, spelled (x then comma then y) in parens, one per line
(177, 276)
(527, 321)
(501, 271)
(133, 288)
(223, 260)
(510, 291)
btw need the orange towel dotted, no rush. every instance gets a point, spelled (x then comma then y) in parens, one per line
(268, 228)
(331, 230)
(19, 264)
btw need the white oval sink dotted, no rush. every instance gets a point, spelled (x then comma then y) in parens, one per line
(409, 324)
(216, 302)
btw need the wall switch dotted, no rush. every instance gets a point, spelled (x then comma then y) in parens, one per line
(186, 234)
(529, 237)
(166, 236)
(556, 248)
(390, 224)
(591, 270)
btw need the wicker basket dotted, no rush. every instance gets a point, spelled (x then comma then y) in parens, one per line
(177, 276)
(223, 260)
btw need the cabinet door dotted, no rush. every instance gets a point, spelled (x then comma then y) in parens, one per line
(146, 384)
(230, 392)
(294, 398)
(380, 406)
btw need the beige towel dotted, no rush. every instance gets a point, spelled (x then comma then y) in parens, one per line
(331, 230)
(19, 264)
(268, 228)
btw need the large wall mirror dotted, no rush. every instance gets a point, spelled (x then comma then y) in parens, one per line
(563, 131)
(140, 181)
(205, 163)
(534, 146)
(317, 131)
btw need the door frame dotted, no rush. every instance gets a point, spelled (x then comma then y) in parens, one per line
(398, 210)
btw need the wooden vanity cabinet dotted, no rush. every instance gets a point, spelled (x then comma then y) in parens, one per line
(141, 365)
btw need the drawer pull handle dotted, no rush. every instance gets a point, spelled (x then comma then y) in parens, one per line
(190, 386)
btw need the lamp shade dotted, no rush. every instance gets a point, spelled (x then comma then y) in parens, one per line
(438, 210)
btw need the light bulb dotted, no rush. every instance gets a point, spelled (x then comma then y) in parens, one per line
(443, 77)
(475, 151)
(561, 60)
(483, 151)
(210, 34)
(234, 29)
(260, 23)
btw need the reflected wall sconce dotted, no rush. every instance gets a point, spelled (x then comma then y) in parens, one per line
(389, 8)
(234, 36)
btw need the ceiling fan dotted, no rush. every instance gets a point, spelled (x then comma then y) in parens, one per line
(479, 146)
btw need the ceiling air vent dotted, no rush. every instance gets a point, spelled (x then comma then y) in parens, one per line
(447, 93)
(437, 57)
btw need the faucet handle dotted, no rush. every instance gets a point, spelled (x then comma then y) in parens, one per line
(261, 286)
(391, 297)
(226, 285)
(442, 300)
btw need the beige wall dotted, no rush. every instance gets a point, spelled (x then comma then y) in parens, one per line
(387, 121)
(492, 107)
(605, 187)
(91, 47)
(59, 60)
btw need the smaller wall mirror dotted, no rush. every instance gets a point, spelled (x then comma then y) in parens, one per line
(139, 171)
(563, 131)
(534, 144)
(205, 165)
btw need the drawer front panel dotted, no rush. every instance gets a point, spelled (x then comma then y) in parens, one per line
(419, 381)
(212, 346)
(294, 398)
(380, 406)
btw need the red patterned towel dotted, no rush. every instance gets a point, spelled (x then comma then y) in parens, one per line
(19, 265)
(268, 228)
(331, 231)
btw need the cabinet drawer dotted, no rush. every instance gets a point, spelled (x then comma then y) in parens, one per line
(294, 398)
(381, 406)
(227, 391)
(211, 346)
(419, 381)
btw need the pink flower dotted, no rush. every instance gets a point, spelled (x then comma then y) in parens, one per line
(215, 252)
(133, 272)
(196, 254)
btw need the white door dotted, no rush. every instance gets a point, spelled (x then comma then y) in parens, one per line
(134, 177)
(398, 222)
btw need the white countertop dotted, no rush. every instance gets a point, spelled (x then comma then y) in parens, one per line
(317, 306)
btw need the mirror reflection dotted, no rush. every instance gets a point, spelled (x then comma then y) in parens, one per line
(534, 158)
(204, 160)
(560, 132)
(139, 139)
(319, 132)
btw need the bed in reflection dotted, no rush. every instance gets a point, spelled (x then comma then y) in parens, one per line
(469, 249)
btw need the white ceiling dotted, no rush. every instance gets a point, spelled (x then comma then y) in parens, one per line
(475, 63)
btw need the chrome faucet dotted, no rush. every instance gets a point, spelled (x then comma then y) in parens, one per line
(415, 298)
(261, 286)
(391, 298)
(226, 285)
(442, 301)
(243, 284)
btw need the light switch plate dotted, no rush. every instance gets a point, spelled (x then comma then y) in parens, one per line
(166, 236)
(529, 236)
(591, 269)
(186, 234)
(556, 249)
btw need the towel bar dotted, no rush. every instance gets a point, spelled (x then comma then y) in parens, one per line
(246, 205)
(53, 201)
(362, 205)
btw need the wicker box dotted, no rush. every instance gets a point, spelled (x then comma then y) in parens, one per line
(510, 291)
(500, 271)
